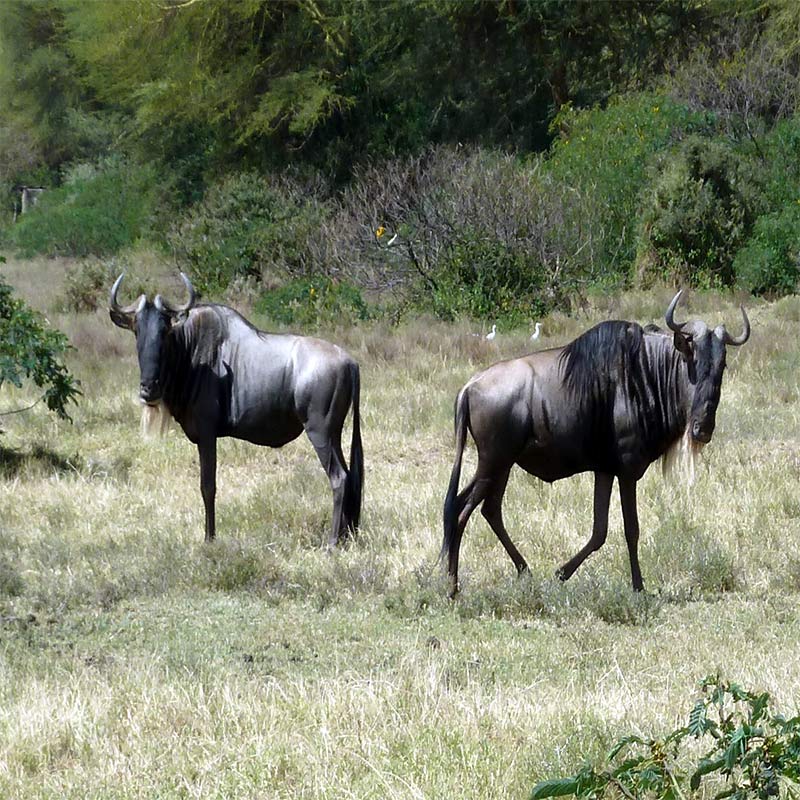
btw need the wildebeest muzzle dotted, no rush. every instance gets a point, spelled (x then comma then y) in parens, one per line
(702, 430)
(150, 392)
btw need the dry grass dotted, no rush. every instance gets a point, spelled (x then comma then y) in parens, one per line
(137, 662)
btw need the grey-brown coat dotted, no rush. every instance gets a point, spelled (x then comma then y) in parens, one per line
(611, 402)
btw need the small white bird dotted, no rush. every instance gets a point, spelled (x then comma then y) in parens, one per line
(536, 332)
(490, 336)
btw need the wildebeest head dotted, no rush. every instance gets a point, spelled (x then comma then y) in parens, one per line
(150, 323)
(704, 353)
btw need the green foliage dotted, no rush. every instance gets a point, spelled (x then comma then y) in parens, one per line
(248, 225)
(769, 262)
(486, 279)
(749, 752)
(604, 154)
(324, 81)
(29, 349)
(780, 167)
(696, 216)
(98, 211)
(307, 302)
(42, 97)
(206, 90)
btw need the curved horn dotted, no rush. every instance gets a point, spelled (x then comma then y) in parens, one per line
(115, 306)
(670, 315)
(162, 304)
(112, 298)
(741, 339)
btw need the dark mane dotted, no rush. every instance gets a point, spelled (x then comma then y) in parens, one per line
(618, 362)
(603, 353)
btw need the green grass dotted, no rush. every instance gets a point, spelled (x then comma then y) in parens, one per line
(135, 661)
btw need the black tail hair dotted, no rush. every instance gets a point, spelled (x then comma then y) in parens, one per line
(354, 483)
(451, 510)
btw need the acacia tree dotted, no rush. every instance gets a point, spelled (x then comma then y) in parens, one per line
(31, 350)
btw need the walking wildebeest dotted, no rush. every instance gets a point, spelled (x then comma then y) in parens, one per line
(612, 401)
(217, 375)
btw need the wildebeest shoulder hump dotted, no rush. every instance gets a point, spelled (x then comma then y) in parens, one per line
(605, 351)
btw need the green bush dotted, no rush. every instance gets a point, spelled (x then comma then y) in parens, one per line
(31, 350)
(780, 165)
(604, 155)
(97, 211)
(696, 216)
(741, 750)
(769, 263)
(485, 278)
(86, 286)
(307, 302)
(248, 225)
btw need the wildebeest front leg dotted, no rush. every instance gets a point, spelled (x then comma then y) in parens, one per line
(602, 496)
(331, 457)
(630, 516)
(208, 483)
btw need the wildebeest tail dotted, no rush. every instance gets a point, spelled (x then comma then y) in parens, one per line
(451, 510)
(354, 484)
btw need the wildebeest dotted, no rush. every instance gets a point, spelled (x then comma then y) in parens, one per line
(217, 375)
(612, 401)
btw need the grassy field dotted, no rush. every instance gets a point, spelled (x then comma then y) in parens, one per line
(137, 662)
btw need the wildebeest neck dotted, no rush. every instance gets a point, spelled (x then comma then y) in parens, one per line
(191, 356)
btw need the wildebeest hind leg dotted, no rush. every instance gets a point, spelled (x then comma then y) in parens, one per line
(602, 495)
(465, 503)
(492, 510)
(475, 493)
(332, 460)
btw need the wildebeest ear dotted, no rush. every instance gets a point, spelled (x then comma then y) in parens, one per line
(683, 344)
(179, 319)
(121, 319)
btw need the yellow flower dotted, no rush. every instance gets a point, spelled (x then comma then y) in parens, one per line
(381, 230)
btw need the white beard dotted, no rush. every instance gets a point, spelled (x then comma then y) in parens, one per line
(155, 420)
(679, 463)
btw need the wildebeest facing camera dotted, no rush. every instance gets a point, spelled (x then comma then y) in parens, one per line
(611, 402)
(217, 375)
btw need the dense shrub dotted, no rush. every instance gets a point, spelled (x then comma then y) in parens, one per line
(770, 260)
(86, 286)
(97, 211)
(748, 82)
(249, 224)
(488, 279)
(31, 350)
(458, 232)
(779, 168)
(310, 301)
(696, 215)
(604, 155)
